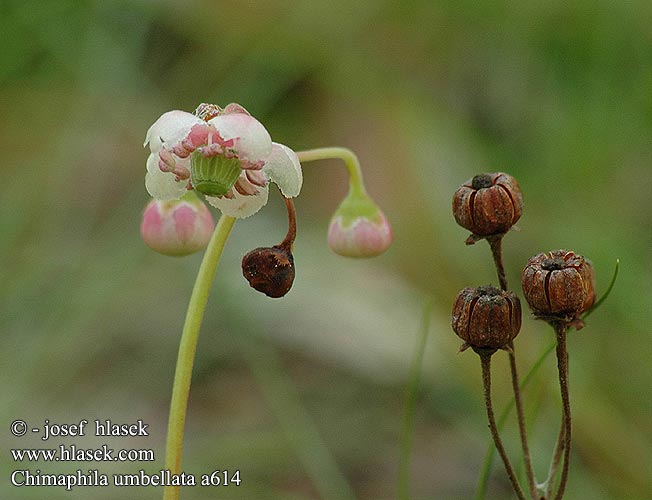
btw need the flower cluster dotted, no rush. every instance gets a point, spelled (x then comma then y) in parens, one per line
(227, 156)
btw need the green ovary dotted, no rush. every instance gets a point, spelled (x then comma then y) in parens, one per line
(213, 175)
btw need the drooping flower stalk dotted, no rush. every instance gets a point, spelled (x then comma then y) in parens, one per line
(351, 162)
(358, 227)
(270, 270)
(187, 348)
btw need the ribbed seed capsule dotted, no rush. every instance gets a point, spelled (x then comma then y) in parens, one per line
(559, 284)
(486, 317)
(488, 204)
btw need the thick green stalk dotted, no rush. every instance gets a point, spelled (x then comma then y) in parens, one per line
(187, 347)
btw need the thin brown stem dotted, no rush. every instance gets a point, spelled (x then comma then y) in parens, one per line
(485, 360)
(495, 242)
(292, 226)
(562, 366)
(529, 471)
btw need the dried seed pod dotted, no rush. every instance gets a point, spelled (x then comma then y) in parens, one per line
(488, 204)
(559, 284)
(269, 270)
(486, 317)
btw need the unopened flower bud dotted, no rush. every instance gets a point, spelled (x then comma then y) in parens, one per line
(177, 227)
(269, 270)
(488, 204)
(486, 317)
(559, 284)
(359, 228)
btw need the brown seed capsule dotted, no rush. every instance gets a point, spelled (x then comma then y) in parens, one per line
(488, 204)
(559, 284)
(269, 270)
(486, 317)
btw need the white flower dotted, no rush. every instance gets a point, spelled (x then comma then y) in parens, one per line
(224, 153)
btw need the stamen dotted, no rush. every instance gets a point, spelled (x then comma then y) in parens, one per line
(166, 161)
(256, 177)
(207, 111)
(247, 165)
(210, 150)
(181, 173)
(244, 187)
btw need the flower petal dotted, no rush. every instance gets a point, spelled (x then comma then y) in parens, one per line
(240, 206)
(282, 167)
(162, 185)
(170, 128)
(153, 163)
(252, 141)
(234, 107)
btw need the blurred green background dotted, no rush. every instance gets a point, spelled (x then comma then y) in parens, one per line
(304, 395)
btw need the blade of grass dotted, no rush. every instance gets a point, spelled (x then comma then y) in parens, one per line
(280, 394)
(606, 293)
(407, 429)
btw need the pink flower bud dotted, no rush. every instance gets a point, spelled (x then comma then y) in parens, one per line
(177, 227)
(360, 236)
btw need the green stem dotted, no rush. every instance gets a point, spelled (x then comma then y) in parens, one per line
(407, 432)
(187, 347)
(350, 159)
